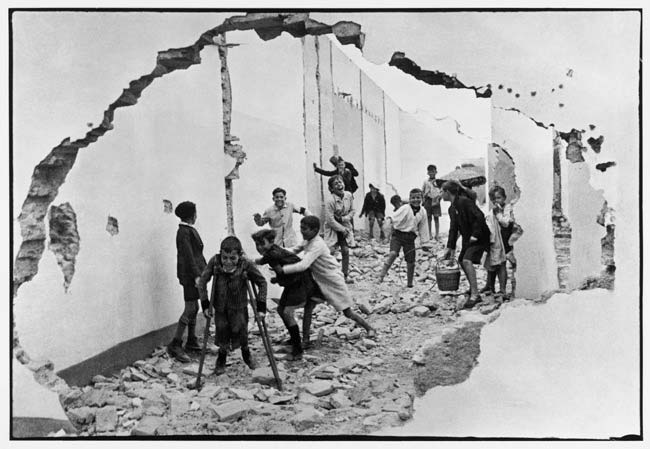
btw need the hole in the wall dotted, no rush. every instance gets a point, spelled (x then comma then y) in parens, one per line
(596, 143)
(168, 207)
(64, 239)
(605, 165)
(112, 227)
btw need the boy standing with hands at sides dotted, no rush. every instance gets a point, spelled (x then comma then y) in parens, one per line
(189, 266)
(467, 220)
(432, 196)
(230, 271)
(339, 212)
(408, 222)
(280, 218)
(329, 282)
(297, 287)
(374, 206)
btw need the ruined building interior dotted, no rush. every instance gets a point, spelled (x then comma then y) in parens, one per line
(94, 287)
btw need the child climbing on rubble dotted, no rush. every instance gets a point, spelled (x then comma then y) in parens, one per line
(297, 287)
(229, 271)
(280, 217)
(503, 233)
(408, 222)
(189, 266)
(337, 230)
(328, 279)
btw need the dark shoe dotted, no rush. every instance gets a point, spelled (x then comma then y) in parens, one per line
(248, 358)
(486, 289)
(192, 344)
(220, 367)
(472, 301)
(175, 350)
(296, 347)
(307, 344)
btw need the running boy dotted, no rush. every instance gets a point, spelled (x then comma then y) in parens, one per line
(280, 218)
(467, 220)
(408, 222)
(297, 287)
(230, 270)
(189, 266)
(432, 196)
(326, 273)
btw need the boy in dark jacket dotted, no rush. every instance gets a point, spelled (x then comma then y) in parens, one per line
(467, 220)
(230, 271)
(344, 169)
(374, 207)
(189, 266)
(298, 287)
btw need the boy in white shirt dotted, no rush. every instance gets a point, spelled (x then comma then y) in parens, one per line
(407, 222)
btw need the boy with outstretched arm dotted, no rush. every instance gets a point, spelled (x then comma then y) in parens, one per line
(297, 287)
(230, 271)
(280, 218)
(326, 272)
(408, 222)
(189, 266)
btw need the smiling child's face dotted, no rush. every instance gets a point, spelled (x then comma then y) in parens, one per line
(415, 199)
(229, 261)
(263, 246)
(498, 199)
(279, 199)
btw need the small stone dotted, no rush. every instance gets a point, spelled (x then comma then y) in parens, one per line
(173, 377)
(230, 411)
(307, 398)
(282, 399)
(319, 388)
(179, 404)
(265, 376)
(195, 406)
(99, 378)
(421, 311)
(136, 402)
(376, 361)
(242, 394)
(306, 417)
(354, 334)
(368, 343)
(340, 400)
(148, 426)
(106, 419)
(82, 415)
(208, 391)
(192, 370)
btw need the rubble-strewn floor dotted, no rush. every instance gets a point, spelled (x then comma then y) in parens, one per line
(347, 384)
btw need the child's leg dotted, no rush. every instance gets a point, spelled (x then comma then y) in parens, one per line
(363, 323)
(345, 258)
(395, 246)
(491, 278)
(429, 216)
(371, 225)
(436, 220)
(409, 256)
(306, 321)
(175, 348)
(470, 273)
(503, 277)
(220, 367)
(380, 224)
(192, 343)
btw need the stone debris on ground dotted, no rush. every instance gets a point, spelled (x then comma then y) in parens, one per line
(345, 384)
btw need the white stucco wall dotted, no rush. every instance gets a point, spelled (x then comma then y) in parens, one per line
(124, 285)
(531, 148)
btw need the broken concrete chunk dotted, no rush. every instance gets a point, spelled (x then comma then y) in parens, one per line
(179, 404)
(230, 411)
(421, 311)
(242, 394)
(106, 419)
(340, 400)
(265, 376)
(148, 426)
(82, 415)
(192, 370)
(319, 388)
(282, 399)
(306, 417)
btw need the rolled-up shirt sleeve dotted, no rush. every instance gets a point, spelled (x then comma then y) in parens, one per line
(308, 258)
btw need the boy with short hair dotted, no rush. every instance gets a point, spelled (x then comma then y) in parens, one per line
(189, 266)
(280, 217)
(467, 220)
(432, 196)
(230, 271)
(327, 275)
(297, 287)
(408, 222)
(374, 207)
(338, 230)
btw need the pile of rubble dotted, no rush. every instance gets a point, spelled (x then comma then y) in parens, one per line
(346, 384)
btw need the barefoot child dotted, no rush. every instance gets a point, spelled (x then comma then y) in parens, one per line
(339, 212)
(280, 218)
(189, 266)
(408, 222)
(325, 270)
(229, 271)
(467, 220)
(297, 287)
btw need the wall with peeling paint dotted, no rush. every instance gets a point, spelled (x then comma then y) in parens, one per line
(531, 148)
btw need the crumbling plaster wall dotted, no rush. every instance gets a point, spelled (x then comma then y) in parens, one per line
(157, 150)
(531, 148)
